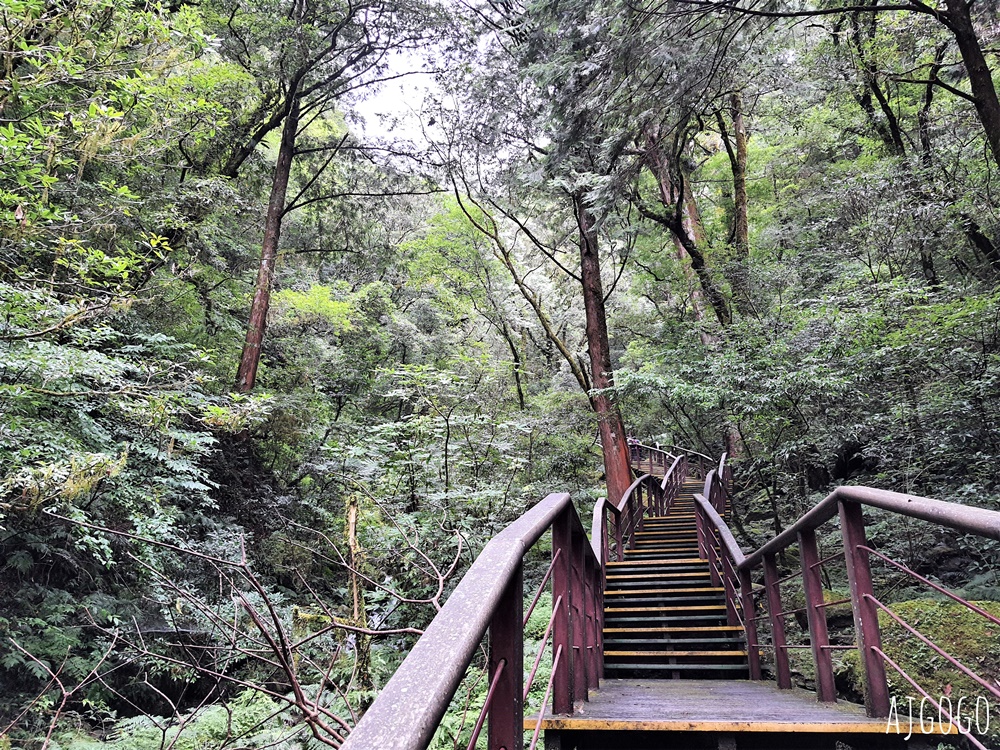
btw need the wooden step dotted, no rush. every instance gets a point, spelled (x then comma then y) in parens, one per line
(657, 576)
(692, 629)
(705, 603)
(675, 668)
(648, 620)
(676, 561)
(666, 527)
(686, 608)
(656, 554)
(667, 592)
(647, 548)
(648, 644)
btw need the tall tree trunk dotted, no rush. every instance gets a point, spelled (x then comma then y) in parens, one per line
(360, 613)
(515, 356)
(959, 19)
(613, 442)
(741, 223)
(246, 376)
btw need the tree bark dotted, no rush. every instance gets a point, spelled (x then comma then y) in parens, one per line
(360, 612)
(959, 19)
(618, 474)
(741, 228)
(246, 375)
(736, 148)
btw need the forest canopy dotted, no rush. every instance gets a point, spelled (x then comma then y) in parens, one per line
(274, 369)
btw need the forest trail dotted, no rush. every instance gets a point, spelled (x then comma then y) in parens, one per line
(663, 632)
(663, 617)
(676, 671)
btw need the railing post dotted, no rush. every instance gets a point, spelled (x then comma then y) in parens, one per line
(859, 575)
(700, 526)
(640, 492)
(562, 627)
(578, 600)
(728, 578)
(605, 534)
(819, 639)
(506, 723)
(630, 505)
(713, 554)
(784, 675)
(591, 642)
(619, 550)
(750, 623)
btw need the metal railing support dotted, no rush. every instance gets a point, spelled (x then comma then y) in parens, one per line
(819, 638)
(578, 614)
(729, 581)
(506, 713)
(750, 623)
(852, 524)
(562, 631)
(783, 673)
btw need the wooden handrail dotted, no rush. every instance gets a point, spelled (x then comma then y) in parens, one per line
(408, 710)
(597, 532)
(670, 472)
(729, 542)
(617, 509)
(965, 518)
(717, 541)
(687, 451)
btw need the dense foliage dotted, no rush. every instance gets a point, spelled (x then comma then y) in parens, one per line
(798, 229)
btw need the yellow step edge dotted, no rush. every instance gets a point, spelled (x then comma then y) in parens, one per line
(670, 561)
(638, 592)
(692, 608)
(586, 723)
(692, 629)
(637, 576)
(668, 654)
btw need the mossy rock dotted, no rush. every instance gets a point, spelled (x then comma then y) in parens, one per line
(839, 615)
(968, 637)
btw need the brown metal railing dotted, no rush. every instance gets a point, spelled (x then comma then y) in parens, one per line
(699, 464)
(730, 566)
(490, 597)
(650, 459)
(614, 525)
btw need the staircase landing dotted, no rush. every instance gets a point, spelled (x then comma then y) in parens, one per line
(719, 706)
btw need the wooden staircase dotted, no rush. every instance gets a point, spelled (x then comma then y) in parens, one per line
(663, 618)
(676, 671)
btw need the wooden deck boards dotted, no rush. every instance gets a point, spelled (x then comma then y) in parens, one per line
(710, 706)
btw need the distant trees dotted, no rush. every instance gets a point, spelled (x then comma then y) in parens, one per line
(713, 227)
(956, 17)
(303, 57)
